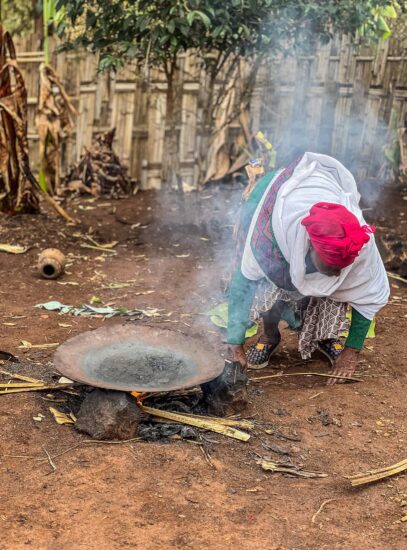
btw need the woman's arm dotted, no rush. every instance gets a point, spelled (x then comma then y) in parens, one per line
(347, 362)
(358, 330)
(241, 295)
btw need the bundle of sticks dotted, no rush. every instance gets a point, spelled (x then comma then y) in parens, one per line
(99, 171)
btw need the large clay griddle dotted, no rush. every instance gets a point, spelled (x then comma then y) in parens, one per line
(137, 358)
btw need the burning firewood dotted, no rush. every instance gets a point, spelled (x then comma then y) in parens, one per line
(100, 171)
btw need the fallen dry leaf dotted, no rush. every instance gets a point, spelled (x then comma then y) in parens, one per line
(28, 345)
(108, 245)
(65, 380)
(13, 249)
(60, 417)
(94, 247)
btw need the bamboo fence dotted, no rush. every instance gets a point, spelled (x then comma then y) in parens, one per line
(347, 100)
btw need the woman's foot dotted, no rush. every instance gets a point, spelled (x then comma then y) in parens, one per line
(258, 356)
(331, 348)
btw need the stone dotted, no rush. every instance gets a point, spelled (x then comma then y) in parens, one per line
(107, 414)
(227, 394)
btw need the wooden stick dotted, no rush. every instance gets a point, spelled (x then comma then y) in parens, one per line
(396, 277)
(207, 457)
(21, 377)
(37, 388)
(20, 384)
(306, 374)
(50, 459)
(56, 206)
(325, 502)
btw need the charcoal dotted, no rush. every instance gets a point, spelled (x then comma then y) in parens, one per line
(155, 432)
(227, 394)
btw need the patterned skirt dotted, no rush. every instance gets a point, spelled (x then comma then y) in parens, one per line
(315, 319)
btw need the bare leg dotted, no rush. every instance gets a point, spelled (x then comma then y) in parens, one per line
(258, 356)
(271, 318)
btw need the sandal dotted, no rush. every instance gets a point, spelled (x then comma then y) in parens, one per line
(331, 349)
(258, 356)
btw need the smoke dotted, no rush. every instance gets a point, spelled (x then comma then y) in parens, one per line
(311, 104)
(299, 112)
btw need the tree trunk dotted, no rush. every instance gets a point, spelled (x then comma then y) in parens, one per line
(171, 164)
(207, 124)
(213, 119)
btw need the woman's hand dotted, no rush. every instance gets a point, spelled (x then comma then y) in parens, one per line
(236, 353)
(345, 365)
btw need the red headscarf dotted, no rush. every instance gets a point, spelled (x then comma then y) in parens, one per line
(336, 234)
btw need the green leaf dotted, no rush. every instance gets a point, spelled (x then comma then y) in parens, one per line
(184, 30)
(42, 180)
(133, 51)
(143, 23)
(192, 15)
(171, 26)
(388, 11)
(383, 26)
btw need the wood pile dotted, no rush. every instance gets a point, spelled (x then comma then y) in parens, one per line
(99, 171)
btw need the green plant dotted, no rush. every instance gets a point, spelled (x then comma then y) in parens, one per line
(153, 33)
(17, 16)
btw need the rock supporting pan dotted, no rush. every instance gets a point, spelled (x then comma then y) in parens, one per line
(137, 358)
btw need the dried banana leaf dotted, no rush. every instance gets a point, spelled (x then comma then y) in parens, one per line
(205, 423)
(380, 473)
(288, 469)
(55, 121)
(62, 418)
(17, 189)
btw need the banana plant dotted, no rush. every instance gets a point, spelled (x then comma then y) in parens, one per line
(49, 137)
(378, 24)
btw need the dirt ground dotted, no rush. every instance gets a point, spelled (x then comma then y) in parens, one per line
(166, 494)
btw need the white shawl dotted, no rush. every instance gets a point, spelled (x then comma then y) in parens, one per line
(320, 178)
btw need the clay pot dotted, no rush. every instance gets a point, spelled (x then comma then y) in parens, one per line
(51, 263)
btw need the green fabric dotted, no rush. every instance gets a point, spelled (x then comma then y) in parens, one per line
(249, 207)
(242, 290)
(260, 187)
(358, 330)
(241, 296)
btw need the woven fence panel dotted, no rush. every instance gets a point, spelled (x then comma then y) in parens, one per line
(343, 101)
